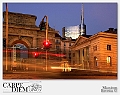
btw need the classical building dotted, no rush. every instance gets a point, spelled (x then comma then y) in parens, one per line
(96, 52)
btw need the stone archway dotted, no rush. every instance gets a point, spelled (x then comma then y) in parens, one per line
(20, 41)
(19, 53)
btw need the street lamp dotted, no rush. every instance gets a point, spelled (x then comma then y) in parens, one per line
(6, 37)
(43, 24)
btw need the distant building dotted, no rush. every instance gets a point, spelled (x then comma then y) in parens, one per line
(58, 46)
(96, 52)
(66, 43)
(71, 31)
(75, 31)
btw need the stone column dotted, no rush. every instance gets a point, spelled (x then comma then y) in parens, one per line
(85, 58)
(34, 42)
(77, 56)
(82, 58)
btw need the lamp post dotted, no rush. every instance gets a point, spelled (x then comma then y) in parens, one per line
(6, 68)
(46, 29)
(46, 38)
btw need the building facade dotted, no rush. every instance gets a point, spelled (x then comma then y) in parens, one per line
(66, 43)
(22, 30)
(97, 52)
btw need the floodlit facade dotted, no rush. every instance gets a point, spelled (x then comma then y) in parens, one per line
(22, 30)
(97, 52)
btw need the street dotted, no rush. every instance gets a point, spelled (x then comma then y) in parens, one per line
(59, 75)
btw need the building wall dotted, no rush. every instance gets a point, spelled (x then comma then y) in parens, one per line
(65, 48)
(22, 29)
(20, 19)
(96, 53)
(95, 43)
(105, 53)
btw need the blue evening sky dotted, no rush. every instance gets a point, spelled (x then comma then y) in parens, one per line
(97, 16)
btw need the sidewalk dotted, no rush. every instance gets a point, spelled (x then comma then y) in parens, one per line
(98, 71)
(33, 72)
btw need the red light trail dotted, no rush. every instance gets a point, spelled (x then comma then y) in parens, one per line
(35, 52)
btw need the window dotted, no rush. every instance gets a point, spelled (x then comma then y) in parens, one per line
(108, 47)
(109, 60)
(95, 48)
(57, 41)
(64, 44)
(73, 54)
(4, 42)
(69, 44)
(57, 47)
(64, 50)
(69, 54)
(95, 61)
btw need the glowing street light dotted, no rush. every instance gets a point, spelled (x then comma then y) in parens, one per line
(6, 36)
(43, 24)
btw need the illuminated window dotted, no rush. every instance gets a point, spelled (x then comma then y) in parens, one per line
(109, 60)
(95, 61)
(108, 47)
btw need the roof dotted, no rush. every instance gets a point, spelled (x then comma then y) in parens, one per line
(69, 39)
(57, 35)
(111, 30)
(87, 36)
(29, 15)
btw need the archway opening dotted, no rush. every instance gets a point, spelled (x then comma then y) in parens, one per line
(22, 50)
(19, 55)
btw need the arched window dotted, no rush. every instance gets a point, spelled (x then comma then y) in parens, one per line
(109, 60)
(95, 61)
